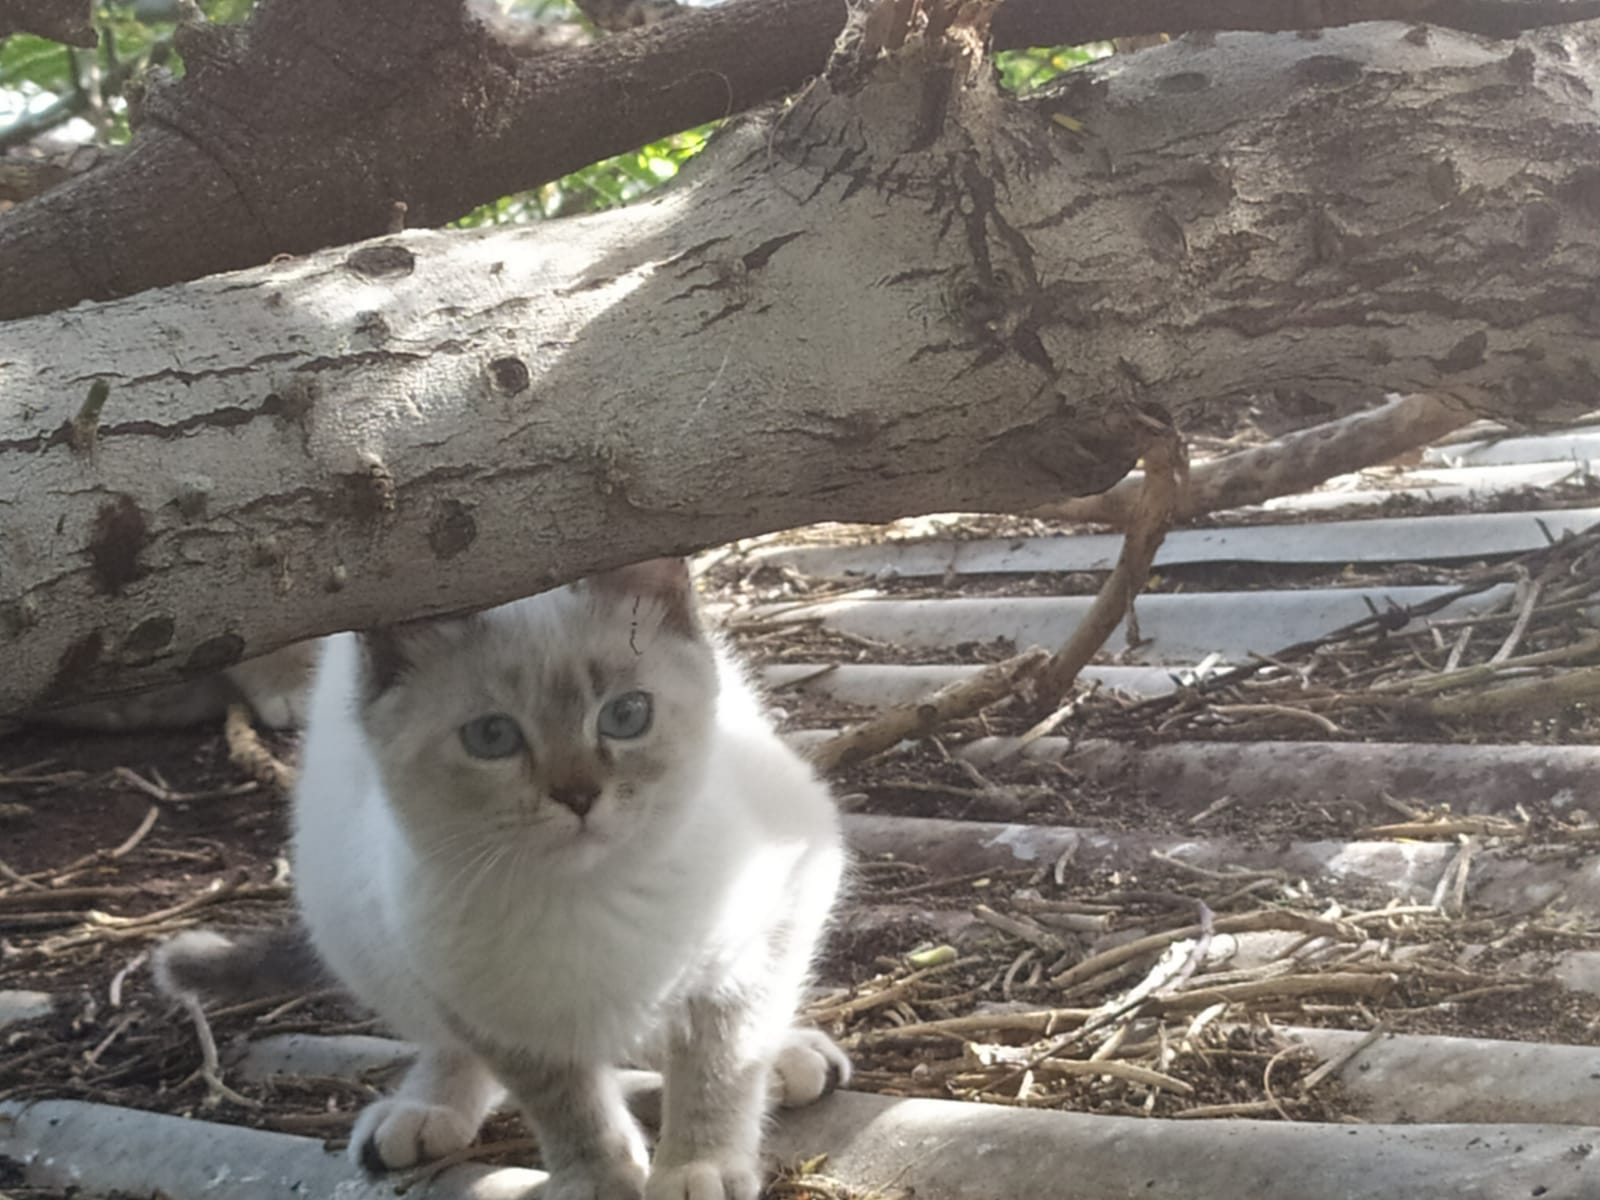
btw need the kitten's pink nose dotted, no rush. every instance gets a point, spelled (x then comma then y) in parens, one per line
(579, 799)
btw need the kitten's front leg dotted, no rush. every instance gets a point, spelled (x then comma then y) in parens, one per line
(589, 1143)
(712, 1107)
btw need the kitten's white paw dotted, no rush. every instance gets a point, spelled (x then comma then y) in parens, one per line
(396, 1132)
(606, 1181)
(808, 1067)
(704, 1179)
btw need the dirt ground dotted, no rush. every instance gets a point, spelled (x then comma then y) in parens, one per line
(109, 842)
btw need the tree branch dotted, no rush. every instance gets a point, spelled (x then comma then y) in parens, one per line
(1296, 462)
(304, 129)
(69, 21)
(1052, 22)
(862, 307)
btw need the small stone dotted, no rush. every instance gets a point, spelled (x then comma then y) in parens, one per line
(18, 1006)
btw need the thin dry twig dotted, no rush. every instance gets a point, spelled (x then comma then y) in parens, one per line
(1280, 710)
(1029, 931)
(1152, 517)
(922, 716)
(1338, 1061)
(61, 875)
(1048, 725)
(1040, 1022)
(1448, 826)
(1156, 943)
(889, 994)
(1450, 895)
(1394, 623)
(1293, 1050)
(163, 794)
(210, 1065)
(1285, 987)
(1521, 699)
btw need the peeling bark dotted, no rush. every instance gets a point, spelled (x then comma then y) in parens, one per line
(920, 295)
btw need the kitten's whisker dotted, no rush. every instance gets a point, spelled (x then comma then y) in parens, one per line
(470, 872)
(464, 840)
(487, 872)
(452, 838)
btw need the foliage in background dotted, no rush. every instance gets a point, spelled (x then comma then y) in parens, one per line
(604, 185)
(78, 95)
(1024, 70)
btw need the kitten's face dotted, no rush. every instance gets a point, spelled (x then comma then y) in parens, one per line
(549, 733)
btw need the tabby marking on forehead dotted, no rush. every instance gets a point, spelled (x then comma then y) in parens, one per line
(565, 695)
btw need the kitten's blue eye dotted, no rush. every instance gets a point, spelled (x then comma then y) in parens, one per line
(627, 716)
(494, 736)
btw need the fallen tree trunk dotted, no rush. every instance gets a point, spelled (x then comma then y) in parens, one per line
(303, 128)
(912, 295)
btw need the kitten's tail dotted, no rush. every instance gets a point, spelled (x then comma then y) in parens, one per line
(241, 966)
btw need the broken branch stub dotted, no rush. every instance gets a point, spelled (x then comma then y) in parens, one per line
(1293, 463)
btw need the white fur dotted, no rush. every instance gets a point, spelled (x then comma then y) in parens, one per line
(432, 880)
(190, 944)
(807, 1066)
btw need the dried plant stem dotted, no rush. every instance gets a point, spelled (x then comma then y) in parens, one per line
(1042, 1022)
(1158, 942)
(1449, 826)
(1285, 987)
(163, 794)
(1521, 698)
(210, 1065)
(1483, 672)
(886, 995)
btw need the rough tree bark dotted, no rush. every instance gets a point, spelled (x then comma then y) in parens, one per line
(69, 21)
(908, 294)
(303, 128)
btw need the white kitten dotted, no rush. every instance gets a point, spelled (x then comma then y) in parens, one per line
(549, 838)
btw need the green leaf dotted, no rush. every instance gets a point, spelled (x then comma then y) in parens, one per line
(1025, 70)
(28, 59)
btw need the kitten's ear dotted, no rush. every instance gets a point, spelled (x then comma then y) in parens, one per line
(383, 658)
(664, 580)
(389, 651)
